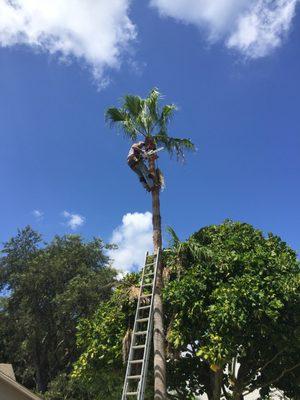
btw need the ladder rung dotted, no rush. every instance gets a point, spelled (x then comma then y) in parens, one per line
(134, 377)
(142, 320)
(136, 372)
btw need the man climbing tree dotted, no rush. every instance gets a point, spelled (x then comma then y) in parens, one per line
(145, 118)
(135, 160)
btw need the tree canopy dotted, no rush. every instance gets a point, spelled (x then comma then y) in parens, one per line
(100, 366)
(50, 288)
(231, 303)
(232, 306)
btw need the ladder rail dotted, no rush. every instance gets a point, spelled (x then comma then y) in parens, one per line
(141, 394)
(131, 351)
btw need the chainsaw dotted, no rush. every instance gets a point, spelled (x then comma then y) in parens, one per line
(151, 153)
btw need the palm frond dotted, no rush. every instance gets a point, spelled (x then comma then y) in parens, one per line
(161, 179)
(130, 129)
(174, 239)
(175, 146)
(133, 105)
(166, 115)
(144, 119)
(120, 118)
(199, 252)
(152, 104)
(141, 111)
(114, 115)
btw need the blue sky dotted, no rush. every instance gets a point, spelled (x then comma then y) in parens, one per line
(235, 81)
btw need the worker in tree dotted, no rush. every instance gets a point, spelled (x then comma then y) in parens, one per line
(135, 159)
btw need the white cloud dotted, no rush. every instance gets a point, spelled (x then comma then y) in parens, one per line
(263, 28)
(133, 238)
(253, 27)
(74, 221)
(95, 31)
(38, 214)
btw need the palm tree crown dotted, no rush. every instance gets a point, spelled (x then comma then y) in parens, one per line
(148, 118)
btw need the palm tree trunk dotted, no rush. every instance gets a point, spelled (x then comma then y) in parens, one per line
(160, 391)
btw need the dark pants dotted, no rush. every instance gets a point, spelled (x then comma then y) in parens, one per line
(143, 172)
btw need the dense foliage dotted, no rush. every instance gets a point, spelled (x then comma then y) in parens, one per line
(100, 366)
(49, 288)
(232, 306)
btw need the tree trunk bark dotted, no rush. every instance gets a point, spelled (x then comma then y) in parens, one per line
(237, 396)
(41, 384)
(216, 384)
(160, 390)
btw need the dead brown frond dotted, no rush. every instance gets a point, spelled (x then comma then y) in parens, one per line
(126, 345)
(166, 275)
(160, 179)
(133, 292)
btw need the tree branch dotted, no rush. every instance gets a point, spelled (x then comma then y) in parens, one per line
(263, 367)
(273, 359)
(226, 394)
(234, 372)
(285, 371)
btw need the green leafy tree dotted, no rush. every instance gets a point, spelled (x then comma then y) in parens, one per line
(146, 118)
(64, 388)
(50, 288)
(100, 368)
(233, 305)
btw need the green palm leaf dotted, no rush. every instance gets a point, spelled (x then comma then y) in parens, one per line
(145, 117)
(133, 105)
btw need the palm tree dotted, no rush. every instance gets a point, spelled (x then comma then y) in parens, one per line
(147, 118)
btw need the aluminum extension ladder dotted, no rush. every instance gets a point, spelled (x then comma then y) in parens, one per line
(137, 365)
